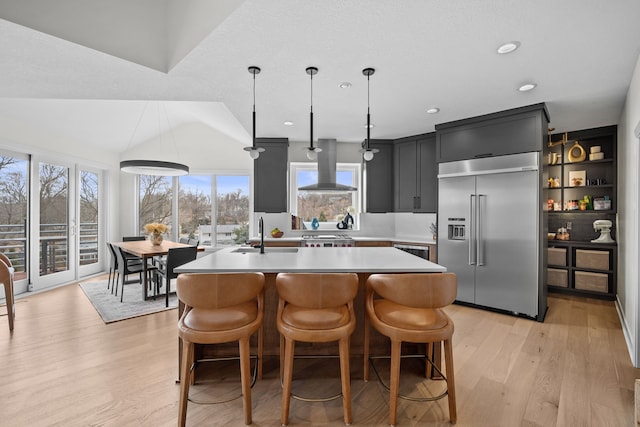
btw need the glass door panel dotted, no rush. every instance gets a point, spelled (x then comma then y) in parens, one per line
(53, 228)
(89, 225)
(14, 205)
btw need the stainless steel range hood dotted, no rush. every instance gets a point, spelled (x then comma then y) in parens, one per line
(327, 169)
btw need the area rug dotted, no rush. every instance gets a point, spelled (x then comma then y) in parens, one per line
(112, 310)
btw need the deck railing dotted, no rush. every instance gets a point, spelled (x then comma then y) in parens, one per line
(53, 246)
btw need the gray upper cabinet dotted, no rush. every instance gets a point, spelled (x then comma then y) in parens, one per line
(519, 130)
(379, 178)
(270, 175)
(416, 177)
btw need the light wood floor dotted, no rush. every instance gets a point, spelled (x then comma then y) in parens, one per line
(63, 366)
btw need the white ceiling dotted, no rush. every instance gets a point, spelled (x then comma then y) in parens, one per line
(86, 68)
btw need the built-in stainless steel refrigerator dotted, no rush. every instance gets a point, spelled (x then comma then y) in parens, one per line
(489, 231)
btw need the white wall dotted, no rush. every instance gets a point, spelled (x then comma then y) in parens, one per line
(628, 299)
(203, 149)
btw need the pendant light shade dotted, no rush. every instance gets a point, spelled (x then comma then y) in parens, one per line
(254, 151)
(312, 152)
(367, 151)
(154, 167)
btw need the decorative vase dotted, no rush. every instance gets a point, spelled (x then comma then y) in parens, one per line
(156, 239)
(315, 224)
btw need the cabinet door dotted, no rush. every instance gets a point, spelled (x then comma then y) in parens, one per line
(270, 176)
(379, 178)
(406, 174)
(428, 175)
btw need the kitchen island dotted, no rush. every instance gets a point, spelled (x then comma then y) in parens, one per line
(361, 260)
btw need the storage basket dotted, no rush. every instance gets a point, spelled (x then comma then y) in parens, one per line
(588, 281)
(557, 277)
(592, 259)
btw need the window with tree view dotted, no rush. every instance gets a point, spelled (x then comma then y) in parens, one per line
(197, 208)
(329, 207)
(14, 197)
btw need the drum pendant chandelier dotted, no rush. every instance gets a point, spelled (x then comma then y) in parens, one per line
(154, 167)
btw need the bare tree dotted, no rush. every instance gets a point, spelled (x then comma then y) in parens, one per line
(155, 199)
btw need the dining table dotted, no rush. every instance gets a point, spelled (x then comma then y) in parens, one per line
(144, 249)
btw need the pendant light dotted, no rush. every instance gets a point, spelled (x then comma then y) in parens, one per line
(312, 152)
(367, 151)
(154, 167)
(254, 151)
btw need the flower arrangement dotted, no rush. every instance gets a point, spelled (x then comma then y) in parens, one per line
(155, 228)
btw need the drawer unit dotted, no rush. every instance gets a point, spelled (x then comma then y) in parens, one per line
(557, 256)
(592, 259)
(588, 281)
(557, 277)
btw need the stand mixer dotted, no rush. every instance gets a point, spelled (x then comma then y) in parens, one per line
(604, 227)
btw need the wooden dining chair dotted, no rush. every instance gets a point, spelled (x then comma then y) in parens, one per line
(6, 277)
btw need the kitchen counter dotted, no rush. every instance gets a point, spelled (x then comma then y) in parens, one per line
(305, 260)
(360, 260)
(395, 239)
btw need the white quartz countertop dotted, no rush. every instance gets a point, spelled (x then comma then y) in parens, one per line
(312, 260)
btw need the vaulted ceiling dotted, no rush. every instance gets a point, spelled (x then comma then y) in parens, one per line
(114, 73)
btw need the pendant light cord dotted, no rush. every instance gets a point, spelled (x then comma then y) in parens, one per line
(368, 115)
(311, 114)
(253, 137)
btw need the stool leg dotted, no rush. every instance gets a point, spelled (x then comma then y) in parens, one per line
(451, 384)
(366, 347)
(428, 367)
(245, 378)
(260, 350)
(9, 300)
(394, 378)
(288, 377)
(345, 376)
(187, 355)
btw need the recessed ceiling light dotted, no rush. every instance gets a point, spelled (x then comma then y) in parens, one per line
(288, 123)
(433, 110)
(345, 85)
(508, 47)
(527, 87)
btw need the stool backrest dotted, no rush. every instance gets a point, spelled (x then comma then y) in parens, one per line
(419, 290)
(317, 290)
(218, 290)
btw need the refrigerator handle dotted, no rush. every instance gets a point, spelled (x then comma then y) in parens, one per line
(479, 239)
(472, 230)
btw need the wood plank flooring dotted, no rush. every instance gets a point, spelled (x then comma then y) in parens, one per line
(63, 366)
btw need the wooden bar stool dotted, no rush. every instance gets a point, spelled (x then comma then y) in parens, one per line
(315, 307)
(408, 308)
(6, 278)
(220, 308)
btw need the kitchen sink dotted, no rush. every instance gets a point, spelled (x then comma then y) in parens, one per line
(266, 250)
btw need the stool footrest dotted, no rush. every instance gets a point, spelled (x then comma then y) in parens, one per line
(403, 396)
(314, 399)
(254, 376)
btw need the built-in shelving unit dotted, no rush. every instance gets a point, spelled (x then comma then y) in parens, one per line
(580, 192)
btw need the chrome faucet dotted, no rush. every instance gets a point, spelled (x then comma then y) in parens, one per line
(261, 231)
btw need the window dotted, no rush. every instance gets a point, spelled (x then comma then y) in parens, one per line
(189, 211)
(328, 207)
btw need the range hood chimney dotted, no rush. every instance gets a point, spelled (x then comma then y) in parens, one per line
(327, 169)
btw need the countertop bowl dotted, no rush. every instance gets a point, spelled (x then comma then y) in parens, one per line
(551, 236)
(278, 234)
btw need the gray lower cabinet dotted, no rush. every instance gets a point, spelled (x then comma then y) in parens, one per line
(270, 175)
(379, 178)
(416, 177)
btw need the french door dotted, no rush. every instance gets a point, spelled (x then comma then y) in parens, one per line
(65, 222)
